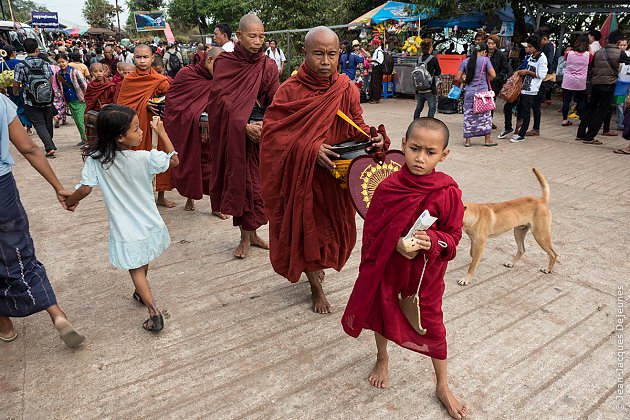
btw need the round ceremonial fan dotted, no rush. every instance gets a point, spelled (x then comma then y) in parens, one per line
(364, 175)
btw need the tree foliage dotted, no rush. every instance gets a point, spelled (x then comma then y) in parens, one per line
(99, 13)
(205, 13)
(22, 9)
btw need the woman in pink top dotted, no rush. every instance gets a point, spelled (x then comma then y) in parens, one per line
(574, 80)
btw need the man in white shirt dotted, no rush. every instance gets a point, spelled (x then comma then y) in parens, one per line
(223, 37)
(533, 76)
(278, 56)
(593, 40)
(376, 78)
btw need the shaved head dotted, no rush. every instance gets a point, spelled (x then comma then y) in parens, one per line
(321, 51)
(249, 21)
(320, 34)
(141, 47)
(213, 52)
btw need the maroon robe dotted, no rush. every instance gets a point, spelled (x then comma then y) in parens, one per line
(99, 94)
(240, 80)
(311, 217)
(384, 272)
(187, 98)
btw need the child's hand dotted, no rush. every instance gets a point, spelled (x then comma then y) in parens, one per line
(423, 239)
(400, 247)
(158, 125)
(62, 196)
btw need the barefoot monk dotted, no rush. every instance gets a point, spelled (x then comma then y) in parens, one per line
(244, 84)
(135, 91)
(311, 217)
(186, 101)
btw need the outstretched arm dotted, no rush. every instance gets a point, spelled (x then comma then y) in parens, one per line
(78, 195)
(36, 158)
(166, 141)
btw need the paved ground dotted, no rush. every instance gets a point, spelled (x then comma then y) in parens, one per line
(241, 342)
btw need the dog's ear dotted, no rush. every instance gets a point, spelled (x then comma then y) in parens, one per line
(465, 207)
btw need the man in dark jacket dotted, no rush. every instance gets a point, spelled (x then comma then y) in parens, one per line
(604, 70)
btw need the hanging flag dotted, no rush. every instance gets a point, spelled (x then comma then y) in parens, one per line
(169, 34)
(610, 24)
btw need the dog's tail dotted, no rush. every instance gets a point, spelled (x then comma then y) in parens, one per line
(543, 185)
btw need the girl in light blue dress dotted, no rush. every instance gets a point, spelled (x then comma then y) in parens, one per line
(137, 232)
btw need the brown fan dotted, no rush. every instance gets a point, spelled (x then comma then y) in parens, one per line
(365, 174)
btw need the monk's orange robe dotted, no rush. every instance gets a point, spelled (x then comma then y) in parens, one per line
(136, 89)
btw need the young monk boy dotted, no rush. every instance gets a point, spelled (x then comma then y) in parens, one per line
(100, 91)
(158, 66)
(387, 270)
(123, 70)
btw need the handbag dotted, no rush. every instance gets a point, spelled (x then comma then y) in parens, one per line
(511, 90)
(455, 92)
(410, 305)
(484, 101)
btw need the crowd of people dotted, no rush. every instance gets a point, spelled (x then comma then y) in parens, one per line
(247, 160)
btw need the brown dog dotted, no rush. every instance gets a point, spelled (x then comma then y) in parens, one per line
(482, 221)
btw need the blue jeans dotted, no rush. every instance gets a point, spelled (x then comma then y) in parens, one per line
(420, 99)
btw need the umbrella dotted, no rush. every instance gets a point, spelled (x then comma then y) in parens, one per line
(610, 24)
(393, 10)
(73, 31)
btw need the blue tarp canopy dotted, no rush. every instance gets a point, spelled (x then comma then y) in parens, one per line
(393, 10)
(471, 21)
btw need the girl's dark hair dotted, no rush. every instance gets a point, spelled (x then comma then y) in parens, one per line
(471, 67)
(75, 56)
(112, 122)
(581, 44)
(62, 56)
(534, 41)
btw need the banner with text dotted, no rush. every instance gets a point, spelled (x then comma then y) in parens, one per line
(45, 19)
(150, 21)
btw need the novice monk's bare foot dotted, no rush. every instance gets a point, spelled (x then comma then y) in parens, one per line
(162, 201)
(256, 241)
(67, 333)
(190, 205)
(320, 303)
(456, 409)
(379, 377)
(243, 247)
(220, 215)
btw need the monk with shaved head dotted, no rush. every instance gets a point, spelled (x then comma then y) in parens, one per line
(244, 84)
(186, 100)
(100, 91)
(311, 216)
(136, 89)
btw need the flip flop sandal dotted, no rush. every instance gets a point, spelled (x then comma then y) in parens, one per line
(51, 155)
(490, 144)
(71, 337)
(466, 144)
(154, 324)
(618, 151)
(8, 339)
(567, 124)
(609, 134)
(592, 142)
(137, 298)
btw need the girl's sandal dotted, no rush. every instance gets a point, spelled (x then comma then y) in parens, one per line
(154, 324)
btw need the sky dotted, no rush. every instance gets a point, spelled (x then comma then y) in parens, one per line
(72, 10)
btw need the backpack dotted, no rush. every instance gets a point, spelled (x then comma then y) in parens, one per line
(174, 63)
(38, 87)
(421, 77)
(388, 63)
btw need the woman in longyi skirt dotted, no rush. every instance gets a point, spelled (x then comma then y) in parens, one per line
(24, 286)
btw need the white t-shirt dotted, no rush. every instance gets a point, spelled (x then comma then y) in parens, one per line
(594, 47)
(531, 85)
(378, 55)
(278, 57)
(228, 46)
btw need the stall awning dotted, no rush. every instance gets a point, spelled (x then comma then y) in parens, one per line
(393, 10)
(471, 21)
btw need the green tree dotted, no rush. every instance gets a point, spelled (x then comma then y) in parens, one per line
(205, 13)
(21, 9)
(99, 13)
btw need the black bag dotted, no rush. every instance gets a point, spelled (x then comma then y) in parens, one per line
(174, 63)
(388, 63)
(422, 78)
(38, 87)
(447, 105)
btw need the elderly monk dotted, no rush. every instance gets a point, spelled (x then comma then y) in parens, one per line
(243, 79)
(110, 61)
(311, 217)
(186, 101)
(135, 91)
